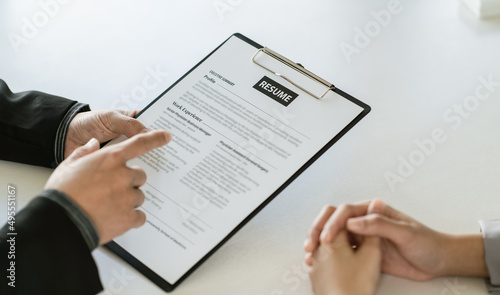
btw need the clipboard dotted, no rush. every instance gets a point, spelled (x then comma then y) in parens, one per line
(289, 80)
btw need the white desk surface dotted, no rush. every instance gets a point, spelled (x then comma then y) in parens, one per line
(419, 64)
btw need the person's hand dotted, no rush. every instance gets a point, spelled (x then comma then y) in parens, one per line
(103, 186)
(328, 222)
(339, 269)
(102, 125)
(409, 248)
(412, 250)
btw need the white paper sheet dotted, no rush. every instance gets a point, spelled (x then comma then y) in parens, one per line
(232, 148)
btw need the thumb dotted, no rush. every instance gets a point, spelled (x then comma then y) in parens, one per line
(379, 207)
(90, 147)
(128, 113)
(122, 122)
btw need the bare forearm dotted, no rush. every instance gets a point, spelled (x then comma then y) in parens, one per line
(465, 256)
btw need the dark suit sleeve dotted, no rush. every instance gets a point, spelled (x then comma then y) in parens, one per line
(51, 256)
(28, 125)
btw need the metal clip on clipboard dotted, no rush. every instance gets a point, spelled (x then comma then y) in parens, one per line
(297, 67)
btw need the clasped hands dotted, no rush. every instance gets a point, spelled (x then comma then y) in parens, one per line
(349, 246)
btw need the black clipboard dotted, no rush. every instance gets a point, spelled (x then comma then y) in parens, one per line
(157, 279)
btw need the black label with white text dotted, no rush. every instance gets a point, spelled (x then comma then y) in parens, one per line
(275, 91)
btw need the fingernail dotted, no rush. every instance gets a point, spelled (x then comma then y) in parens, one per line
(307, 242)
(145, 130)
(92, 142)
(326, 237)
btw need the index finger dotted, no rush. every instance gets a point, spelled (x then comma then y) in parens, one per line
(141, 144)
(339, 218)
(319, 222)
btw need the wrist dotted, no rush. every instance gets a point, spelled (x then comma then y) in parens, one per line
(464, 256)
(64, 130)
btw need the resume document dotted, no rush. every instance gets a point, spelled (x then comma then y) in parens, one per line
(239, 133)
